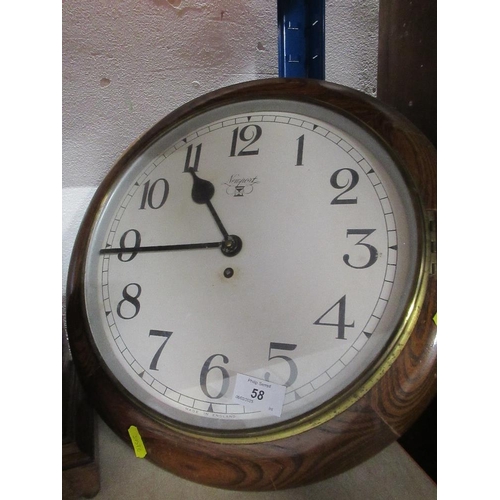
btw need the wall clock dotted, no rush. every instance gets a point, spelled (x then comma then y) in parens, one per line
(253, 285)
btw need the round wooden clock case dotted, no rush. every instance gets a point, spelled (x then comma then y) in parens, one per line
(278, 229)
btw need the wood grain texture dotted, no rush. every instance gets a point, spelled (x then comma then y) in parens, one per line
(371, 423)
(407, 80)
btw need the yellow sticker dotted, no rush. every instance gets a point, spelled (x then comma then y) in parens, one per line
(435, 318)
(135, 437)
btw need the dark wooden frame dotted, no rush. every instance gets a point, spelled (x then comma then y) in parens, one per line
(80, 468)
(374, 421)
(407, 61)
(407, 80)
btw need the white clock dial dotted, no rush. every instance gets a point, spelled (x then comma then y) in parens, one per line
(291, 262)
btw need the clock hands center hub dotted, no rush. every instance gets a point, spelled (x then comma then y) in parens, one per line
(231, 246)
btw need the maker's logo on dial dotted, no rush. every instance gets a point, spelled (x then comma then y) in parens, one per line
(240, 186)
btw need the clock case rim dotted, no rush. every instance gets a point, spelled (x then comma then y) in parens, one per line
(356, 107)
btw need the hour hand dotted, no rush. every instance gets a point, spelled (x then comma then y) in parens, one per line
(202, 193)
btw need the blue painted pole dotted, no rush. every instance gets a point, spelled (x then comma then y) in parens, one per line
(301, 39)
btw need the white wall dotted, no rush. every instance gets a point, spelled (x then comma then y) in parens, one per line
(127, 63)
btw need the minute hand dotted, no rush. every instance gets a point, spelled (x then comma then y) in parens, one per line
(162, 248)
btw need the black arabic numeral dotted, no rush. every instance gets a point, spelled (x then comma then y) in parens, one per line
(348, 183)
(196, 161)
(156, 357)
(293, 367)
(250, 134)
(373, 252)
(148, 197)
(341, 321)
(129, 300)
(130, 254)
(300, 151)
(206, 369)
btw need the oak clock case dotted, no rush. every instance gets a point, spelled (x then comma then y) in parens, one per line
(275, 233)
